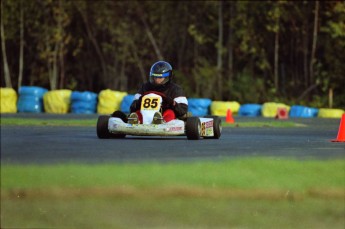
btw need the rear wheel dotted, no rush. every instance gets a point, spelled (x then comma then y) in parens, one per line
(193, 128)
(217, 126)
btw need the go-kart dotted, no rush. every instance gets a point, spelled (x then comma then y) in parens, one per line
(192, 127)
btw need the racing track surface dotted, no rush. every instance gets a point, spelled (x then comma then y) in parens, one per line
(39, 144)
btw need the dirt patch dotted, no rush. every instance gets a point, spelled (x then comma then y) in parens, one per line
(186, 192)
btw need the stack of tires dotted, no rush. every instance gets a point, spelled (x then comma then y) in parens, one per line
(220, 108)
(250, 110)
(199, 107)
(298, 111)
(8, 100)
(83, 102)
(330, 113)
(126, 103)
(269, 109)
(57, 101)
(109, 101)
(31, 99)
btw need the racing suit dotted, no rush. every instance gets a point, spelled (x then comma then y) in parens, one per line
(174, 105)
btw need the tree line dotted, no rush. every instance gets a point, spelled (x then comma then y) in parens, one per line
(248, 51)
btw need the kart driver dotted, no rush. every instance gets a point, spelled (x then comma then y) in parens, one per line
(175, 103)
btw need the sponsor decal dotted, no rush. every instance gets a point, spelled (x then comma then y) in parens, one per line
(175, 128)
(203, 129)
(209, 124)
(210, 132)
(206, 128)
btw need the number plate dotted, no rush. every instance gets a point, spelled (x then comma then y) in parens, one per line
(152, 103)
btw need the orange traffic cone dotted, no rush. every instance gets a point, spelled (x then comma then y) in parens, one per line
(341, 132)
(229, 118)
(282, 113)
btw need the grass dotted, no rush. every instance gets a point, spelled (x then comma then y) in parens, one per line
(239, 193)
(271, 123)
(92, 122)
(47, 122)
(259, 173)
(171, 213)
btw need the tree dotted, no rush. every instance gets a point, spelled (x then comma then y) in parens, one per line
(21, 44)
(83, 9)
(314, 42)
(220, 51)
(274, 14)
(230, 45)
(149, 33)
(3, 48)
(239, 50)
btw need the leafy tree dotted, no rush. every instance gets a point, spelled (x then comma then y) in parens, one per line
(225, 50)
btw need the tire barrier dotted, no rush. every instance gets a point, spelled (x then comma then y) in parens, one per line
(298, 111)
(250, 110)
(109, 101)
(330, 113)
(126, 103)
(8, 100)
(57, 101)
(220, 108)
(199, 106)
(37, 99)
(83, 102)
(269, 109)
(31, 99)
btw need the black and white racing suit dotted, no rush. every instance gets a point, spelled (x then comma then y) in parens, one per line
(170, 90)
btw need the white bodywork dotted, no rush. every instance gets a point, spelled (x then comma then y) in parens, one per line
(173, 128)
(151, 103)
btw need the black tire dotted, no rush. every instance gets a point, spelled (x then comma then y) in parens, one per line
(217, 126)
(193, 128)
(102, 128)
(121, 115)
(185, 116)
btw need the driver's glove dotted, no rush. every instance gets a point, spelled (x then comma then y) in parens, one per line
(139, 101)
(136, 105)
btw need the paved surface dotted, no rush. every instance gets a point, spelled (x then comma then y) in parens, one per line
(37, 144)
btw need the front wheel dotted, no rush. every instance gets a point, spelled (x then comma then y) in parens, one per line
(193, 128)
(102, 128)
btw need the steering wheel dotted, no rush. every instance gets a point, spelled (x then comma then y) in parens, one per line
(155, 92)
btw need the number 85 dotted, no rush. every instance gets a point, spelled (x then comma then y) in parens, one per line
(150, 103)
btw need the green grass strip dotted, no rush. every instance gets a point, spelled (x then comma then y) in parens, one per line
(93, 122)
(272, 123)
(258, 173)
(47, 122)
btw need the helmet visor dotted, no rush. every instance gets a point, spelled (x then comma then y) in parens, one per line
(160, 75)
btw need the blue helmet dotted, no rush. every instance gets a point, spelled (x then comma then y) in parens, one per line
(161, 69)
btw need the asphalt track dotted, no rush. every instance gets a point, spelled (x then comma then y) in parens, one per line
(49, 144)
